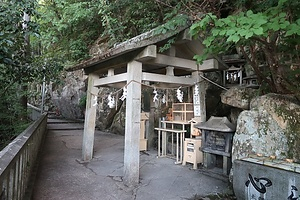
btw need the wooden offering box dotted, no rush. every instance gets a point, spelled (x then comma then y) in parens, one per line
(192, 153)
(182, 111)
(143, 140)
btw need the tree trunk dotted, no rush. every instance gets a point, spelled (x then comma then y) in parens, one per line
(24, 87)
(252, 61)
(277, 71)
(23, 102)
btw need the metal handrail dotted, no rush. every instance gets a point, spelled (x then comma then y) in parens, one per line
(17, 160)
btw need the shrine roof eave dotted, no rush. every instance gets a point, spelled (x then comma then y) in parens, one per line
(221, 124)
(125, 48)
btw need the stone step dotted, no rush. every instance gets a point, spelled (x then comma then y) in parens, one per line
(65, 126)
(63, 121)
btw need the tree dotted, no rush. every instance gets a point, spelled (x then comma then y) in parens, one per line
(265, 36)
(68, 28)
(124, 19)
(266, 33)
(14, 65)
(19, 64)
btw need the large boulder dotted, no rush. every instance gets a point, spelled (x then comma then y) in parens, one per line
(238, 97)
(112, 119)
(270, 128)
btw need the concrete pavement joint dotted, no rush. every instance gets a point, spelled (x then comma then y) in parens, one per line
(83, 163)
(117, 168)
(65, 144)
(172, 184)
(109, 194)
(125, 188)
(144, 153)
(97, 158)
(134, 192)
(116, 178)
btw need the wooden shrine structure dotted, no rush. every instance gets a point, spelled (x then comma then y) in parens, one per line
(137, 61)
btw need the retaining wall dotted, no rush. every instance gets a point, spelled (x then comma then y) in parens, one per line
(265, 179)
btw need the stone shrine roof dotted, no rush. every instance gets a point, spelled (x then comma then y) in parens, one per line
(221, 124)
(135, 43)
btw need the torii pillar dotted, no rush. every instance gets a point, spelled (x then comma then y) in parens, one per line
(132, 125)
(90, 119)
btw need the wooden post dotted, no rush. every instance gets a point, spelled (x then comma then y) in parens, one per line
(90, 118)
(132, 125)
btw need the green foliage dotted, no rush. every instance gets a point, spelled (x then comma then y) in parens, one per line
(46, 68)
(124, 19)
(82, 102)
(238, 29)
(11, 109)
(19, 64)
(167, 45)
(272, 32)
(12, 33)
(171, 25)
(68, 28)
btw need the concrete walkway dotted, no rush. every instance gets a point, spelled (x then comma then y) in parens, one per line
(62, 175)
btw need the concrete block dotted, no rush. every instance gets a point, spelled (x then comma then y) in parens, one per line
(259, 181)
(297, 169)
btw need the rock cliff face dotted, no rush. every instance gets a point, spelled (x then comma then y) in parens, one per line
(270, 128)
(66, 98)
(69, 102)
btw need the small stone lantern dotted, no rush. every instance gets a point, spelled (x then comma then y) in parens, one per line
(217, 134)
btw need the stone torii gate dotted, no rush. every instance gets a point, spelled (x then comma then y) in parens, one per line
(133, 62)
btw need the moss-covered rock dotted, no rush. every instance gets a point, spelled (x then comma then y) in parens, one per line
(239, 97)
(271, 128)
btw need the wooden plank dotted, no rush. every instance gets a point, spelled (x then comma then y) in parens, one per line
(167, 79)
